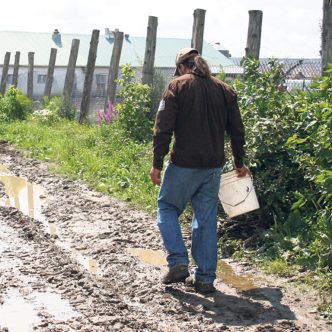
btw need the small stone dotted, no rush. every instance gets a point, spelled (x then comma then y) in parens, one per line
(117, 326)
(313, 311)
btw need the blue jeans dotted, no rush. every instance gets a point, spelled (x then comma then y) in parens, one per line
(200, 186)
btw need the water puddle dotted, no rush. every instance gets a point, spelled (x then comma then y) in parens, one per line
(225, 272)
(59, 308)
(20, 313)
(24, 196)
(16, 306)
(27, 198)
(243, 282)
(3, 169)
(152, 257)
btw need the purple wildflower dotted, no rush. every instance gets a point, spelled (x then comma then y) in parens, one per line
(108, 115)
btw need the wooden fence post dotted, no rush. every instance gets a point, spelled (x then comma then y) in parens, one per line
(90, 67)
(70, 74)
(150, 51)
(254, 33)
(50, 73)
(31, 56)
(114, 68)
(4, 73)
(326, 34)
(16, 68)
(198, 30)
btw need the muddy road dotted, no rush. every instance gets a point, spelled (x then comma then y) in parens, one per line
(72, 259)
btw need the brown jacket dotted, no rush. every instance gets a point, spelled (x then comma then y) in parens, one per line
(198, 110)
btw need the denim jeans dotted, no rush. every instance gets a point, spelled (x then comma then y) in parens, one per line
(200, 186)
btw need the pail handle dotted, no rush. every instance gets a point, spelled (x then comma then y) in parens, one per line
(233, 205)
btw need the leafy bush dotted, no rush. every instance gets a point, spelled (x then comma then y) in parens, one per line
(133, 109)
(67, 110)
(290, 155)
(56, 110)
(14, 105)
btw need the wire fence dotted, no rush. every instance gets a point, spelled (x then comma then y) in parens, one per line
(299, 74)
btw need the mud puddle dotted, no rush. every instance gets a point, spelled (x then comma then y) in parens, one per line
(22, 195)
(28, 198)
(225, 272)
(20, 313)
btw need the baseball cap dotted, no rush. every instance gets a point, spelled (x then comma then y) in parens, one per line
(182, 56)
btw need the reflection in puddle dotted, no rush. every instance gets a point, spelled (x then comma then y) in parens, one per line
(16, 306)
(20, 314)
(24, 196)
(224, 270)
(59, 308)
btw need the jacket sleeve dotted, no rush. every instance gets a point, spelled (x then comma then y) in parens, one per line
(164, 125)
(234, 126)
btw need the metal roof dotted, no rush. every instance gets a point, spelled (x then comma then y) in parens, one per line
(294, 67)
(132, 51)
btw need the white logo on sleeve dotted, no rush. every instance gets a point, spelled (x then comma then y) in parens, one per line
(161, 105)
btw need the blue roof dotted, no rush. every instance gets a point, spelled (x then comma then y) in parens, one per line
(133, 49)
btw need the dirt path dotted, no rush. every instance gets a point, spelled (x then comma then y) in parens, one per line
(91, 263)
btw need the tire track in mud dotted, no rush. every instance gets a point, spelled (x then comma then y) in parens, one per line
(120, 292)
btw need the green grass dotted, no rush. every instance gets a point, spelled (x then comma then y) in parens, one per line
(278, 266)
(99, 155)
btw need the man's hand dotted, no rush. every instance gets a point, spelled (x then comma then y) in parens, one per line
(155, 176)
(243, 171)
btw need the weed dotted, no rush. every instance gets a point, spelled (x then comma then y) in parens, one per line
(278, 266)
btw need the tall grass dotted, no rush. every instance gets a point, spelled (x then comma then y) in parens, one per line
(100, 155)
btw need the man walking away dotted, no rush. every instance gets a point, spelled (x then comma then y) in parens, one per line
(198, 109)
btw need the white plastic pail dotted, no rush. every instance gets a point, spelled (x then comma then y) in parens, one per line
(237, 194)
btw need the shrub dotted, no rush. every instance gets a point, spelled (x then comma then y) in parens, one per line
(290, 154)
(57, 110)
(133, 109)
(14, 105)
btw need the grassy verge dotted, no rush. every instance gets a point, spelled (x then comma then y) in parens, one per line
(99, 155)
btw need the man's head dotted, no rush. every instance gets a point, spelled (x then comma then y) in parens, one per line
(183, 57)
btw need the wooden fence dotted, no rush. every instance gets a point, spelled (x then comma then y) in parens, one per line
(252, 49)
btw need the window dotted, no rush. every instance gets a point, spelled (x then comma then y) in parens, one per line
(101, 79)
(41, 79)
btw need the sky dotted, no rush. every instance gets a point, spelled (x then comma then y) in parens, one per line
(291, 28)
